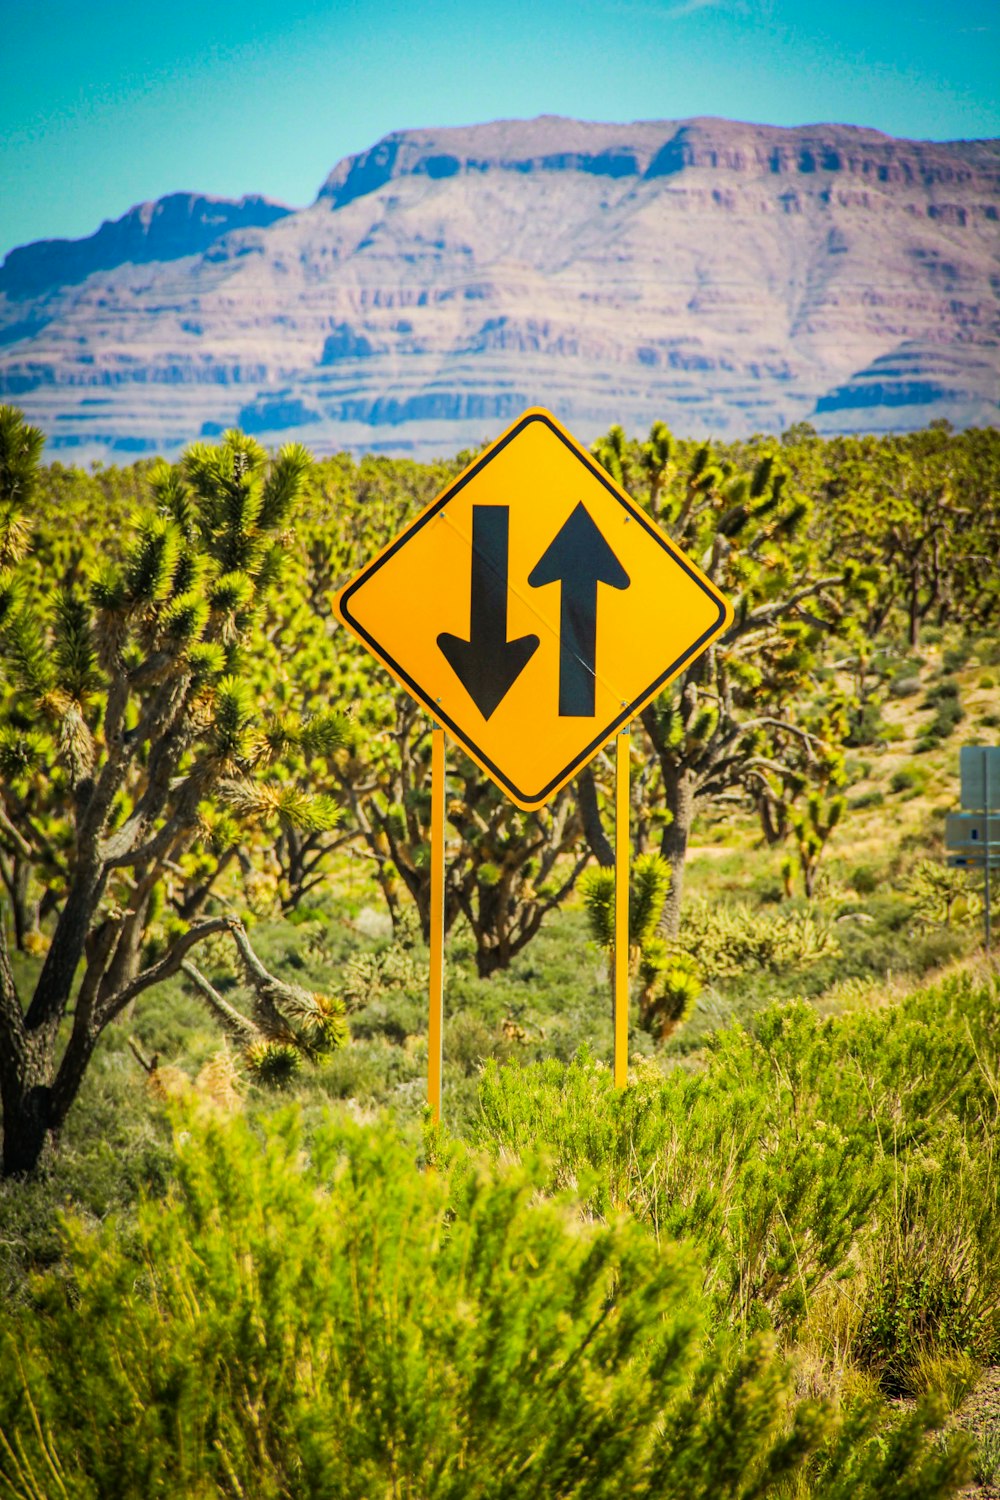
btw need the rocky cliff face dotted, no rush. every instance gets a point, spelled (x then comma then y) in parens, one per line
(725, 277)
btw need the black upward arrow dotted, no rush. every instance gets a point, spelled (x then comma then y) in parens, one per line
(580, 558)
(488, 664)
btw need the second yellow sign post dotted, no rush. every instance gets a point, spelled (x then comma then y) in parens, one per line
(623, 745)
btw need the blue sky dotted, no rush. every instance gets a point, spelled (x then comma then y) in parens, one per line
(104, 104)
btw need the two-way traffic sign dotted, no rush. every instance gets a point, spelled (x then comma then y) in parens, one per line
(533, 608)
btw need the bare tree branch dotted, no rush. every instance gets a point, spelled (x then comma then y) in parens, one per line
(236, 1024)
(170, 963)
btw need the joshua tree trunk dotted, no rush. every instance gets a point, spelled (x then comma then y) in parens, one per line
(35, 1091)
(25, 1079)
(680, 798)
(25, 1132)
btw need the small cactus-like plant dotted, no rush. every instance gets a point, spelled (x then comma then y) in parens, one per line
(273, 1064)
(324, 1028)
(788, 877)
(671, 986)
(812, 829)
(669, 982)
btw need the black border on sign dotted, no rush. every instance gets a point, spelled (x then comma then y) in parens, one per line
(535, 799)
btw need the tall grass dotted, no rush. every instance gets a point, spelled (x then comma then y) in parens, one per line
(321, 1316)
(835, 1176)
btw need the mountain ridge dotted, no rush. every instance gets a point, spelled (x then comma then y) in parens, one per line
(167, 228)
(727, 277)
(701, 141)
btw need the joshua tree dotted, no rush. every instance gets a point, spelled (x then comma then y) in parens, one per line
(131, 737)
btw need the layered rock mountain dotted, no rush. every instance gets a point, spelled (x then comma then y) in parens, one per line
(728, 278)
(180, 224)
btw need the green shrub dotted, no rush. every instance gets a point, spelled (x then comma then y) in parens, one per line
(919, 1306)
(316, 1315)
(942, 895)
(866, 726)
(909, 779)
(372, 976)
(119, 1147)
(273, 1064)
(931, 1283)
(712, 1158)
(469, 1040)
(370, 1071)
(337, 1322)
(945, 699)
(936, 949)
(986, 1467)
(953, 658)
(874, 798)
(395, 1015)
(798, 1155)
(730, 939)
(864, 879)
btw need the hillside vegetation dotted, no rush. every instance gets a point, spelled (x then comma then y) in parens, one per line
(235, 1258)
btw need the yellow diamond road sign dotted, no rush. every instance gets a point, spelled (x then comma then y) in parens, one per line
(533, 608)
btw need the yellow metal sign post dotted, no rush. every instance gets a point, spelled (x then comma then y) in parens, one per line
(533, 609)
(435, 1027)
(622, 848)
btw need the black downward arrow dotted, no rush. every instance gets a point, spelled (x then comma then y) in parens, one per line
(488, 664)
(580, 558)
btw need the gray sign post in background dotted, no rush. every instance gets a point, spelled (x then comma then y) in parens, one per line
(974, 834)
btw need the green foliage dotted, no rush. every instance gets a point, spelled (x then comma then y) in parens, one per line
(733, 938)
(806, 1155)
(942, 895)
(911, 780)
(772, 1228)
(140, 747)
(339, 1322)
(669, 979)
(986, 1468)
(273, 1064)
(812, 829)
(920, 1304)
(671, 984)
(864, 879)
(597, 891)
(649, 881)
(919, 510)
(20, 451)
(369, 976)
(873, 798)
(945, 699)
